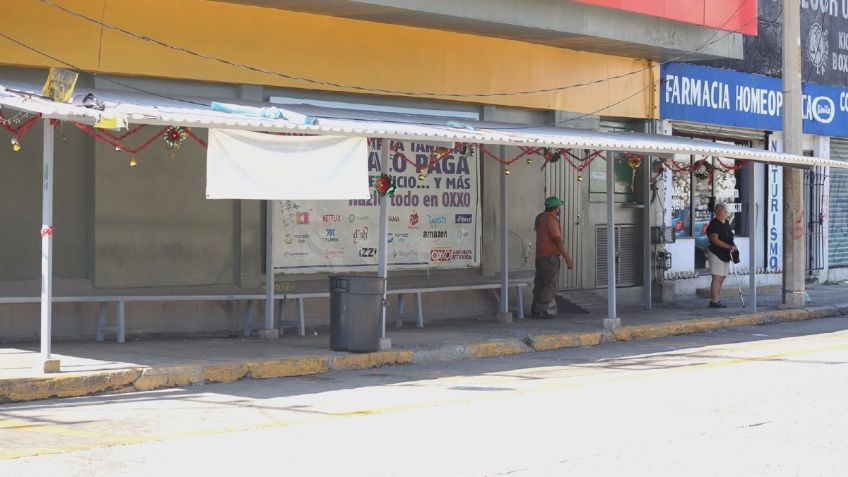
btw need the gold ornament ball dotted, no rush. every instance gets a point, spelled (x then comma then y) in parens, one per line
(529, 161)
(133, 162)
(421, 177)
(507, 172)
(579, 178)
(16, 146)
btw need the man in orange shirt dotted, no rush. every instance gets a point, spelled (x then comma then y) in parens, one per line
(549, 247)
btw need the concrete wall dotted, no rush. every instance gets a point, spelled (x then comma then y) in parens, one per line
(525, 191)
(20, 201)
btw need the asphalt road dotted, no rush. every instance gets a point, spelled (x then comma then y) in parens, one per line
(751, 401)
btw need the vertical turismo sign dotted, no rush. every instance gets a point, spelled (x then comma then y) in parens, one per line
(774, 211)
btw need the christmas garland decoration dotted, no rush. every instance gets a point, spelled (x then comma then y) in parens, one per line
(174, 137)
(385, 185)
(702, 169)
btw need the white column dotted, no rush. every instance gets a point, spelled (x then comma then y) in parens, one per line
(268, 331)
(611, 322)
(382, 245)
(753, 213)
(503, 311)
(47, 364)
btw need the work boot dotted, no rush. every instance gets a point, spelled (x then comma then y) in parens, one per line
(717, 304)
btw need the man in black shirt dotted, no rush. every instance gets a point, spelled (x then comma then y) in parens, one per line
(721, 245)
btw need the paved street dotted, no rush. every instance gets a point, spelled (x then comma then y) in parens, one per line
(763, 400)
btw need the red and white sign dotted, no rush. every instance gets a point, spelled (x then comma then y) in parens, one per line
(728, 15)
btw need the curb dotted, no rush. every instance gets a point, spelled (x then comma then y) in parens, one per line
(143, 379)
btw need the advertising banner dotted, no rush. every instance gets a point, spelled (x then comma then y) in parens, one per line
(712, 95)
(433, 220)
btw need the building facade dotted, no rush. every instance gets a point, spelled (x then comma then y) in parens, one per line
(147, 227)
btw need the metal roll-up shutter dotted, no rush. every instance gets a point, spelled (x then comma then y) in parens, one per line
(716, 131)
(838, 210)
(627, 262)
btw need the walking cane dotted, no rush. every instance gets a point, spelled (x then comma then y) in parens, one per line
(737, 283)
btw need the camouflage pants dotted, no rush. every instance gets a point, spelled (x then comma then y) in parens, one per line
(545, 285)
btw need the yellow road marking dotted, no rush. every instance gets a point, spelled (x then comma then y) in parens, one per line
(142, 439)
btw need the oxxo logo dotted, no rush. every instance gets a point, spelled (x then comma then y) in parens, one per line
(463, 218)
(441, 255)
(368, 252)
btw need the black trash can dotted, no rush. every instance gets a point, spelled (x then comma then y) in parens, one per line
(355, 306)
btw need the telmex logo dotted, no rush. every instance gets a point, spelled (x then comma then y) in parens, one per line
(441, 255)
(463, 218)
(823, 109)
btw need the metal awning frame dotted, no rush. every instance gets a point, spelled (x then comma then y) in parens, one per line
(191, 113)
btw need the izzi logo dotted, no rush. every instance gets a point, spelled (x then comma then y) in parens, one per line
(368, 252)
(463, 218)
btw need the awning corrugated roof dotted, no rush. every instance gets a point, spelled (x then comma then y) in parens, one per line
(141, 108)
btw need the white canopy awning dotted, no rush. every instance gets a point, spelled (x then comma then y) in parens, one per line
(141, 108)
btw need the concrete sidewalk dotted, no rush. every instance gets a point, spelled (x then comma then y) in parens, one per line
(98, 367)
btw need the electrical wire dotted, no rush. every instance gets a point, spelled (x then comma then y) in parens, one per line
(390, 91)
(94, 73)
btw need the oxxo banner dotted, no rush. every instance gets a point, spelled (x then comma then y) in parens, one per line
(717, 96)
(432, 222)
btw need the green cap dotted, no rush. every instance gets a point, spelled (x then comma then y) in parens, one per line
(553, 201)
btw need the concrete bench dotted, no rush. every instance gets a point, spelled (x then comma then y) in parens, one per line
(402, 315)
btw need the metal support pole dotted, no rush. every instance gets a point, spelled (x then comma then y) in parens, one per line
(268, 331)
(753, 213)
(793, 199)
(48, 365)
(647, 248)
(612, 321)
(382, 246)
(503, 310)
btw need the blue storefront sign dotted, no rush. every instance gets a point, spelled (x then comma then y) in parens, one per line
(712, 95)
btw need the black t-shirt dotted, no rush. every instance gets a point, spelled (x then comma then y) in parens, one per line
(725, 234)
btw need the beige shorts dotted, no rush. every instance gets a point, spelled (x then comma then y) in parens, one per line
(717, 265)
